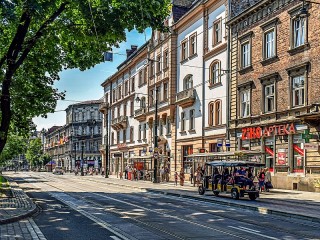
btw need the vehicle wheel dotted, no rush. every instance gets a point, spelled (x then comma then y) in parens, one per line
(201, 190)
(252, 196)
(235, 194)
(216, 193)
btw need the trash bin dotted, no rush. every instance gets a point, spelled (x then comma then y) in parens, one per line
(129, 175)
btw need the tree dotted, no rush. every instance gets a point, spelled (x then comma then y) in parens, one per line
(15, 145)
(34, 152)
(40, 38)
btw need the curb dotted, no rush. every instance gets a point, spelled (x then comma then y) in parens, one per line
(263, 210)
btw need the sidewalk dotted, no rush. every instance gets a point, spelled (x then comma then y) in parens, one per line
(17, 207)
(294, 204)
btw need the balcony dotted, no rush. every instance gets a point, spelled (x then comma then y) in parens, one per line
(140, 114)
(119, 123)
(186, 98)
(103, 107)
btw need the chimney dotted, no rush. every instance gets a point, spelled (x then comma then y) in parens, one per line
(132, 50)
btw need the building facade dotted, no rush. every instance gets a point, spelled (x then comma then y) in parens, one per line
(79, 140)
(201, 96)
(274, 101)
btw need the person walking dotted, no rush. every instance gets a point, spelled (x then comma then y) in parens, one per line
(181, 177)
(267, 180)
(176, 178)
(191, 175)
(261, 178)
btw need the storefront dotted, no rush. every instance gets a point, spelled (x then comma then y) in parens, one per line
(286, 152)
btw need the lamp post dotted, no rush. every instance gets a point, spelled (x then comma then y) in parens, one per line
(107, 142)
(155, 144)
(82, 147)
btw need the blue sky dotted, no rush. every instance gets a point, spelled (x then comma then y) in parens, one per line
(86, 85)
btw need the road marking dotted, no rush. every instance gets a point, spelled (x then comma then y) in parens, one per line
(115, 238)
(249, 229)
(253, 232)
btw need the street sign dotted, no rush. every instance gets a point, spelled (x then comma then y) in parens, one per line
(311, 146)
(228, 143)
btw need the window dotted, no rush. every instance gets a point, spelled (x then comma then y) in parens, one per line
(158, 92)
(245, 103)
(124, 135)
(113, 96)
(184, 50)
(165, 91)
(141, 81)
(151, 68)
(119, 92)
(192, 120)
(131, 108)
(166, 59)
(168, 126)
(113, 114)
(131, 134)
(215, 72)
(151, 97)
(118, 137)
(183, 120)
(145, 74)
(125, 109)
(118, 115)
(245, 55)
(107, 98)
(126, 88)
(217, 32)
(269, 98)
(160, 128)
(215, 113)
(217, 120)
(299, 32)
(132, 85)
(144, 131)
(112, 138)
(193, 44)
(298, 91)
(188, 82)
(139, 132)
(143, 102)
(158, 64)
(269, 44)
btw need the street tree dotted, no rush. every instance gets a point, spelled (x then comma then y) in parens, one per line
(34, 152)
(15, 145)
(40, 38)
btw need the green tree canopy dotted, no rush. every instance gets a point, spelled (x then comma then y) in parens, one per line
(40, 38)
(34, 152)
(15, 145)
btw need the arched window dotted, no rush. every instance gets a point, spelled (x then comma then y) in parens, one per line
(211, 113)
(188, 82)
(215, 72)
(217, 110)
(215, 113)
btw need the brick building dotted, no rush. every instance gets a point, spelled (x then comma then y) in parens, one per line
(274, 81)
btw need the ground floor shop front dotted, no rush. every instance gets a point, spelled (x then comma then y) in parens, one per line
(291, 152)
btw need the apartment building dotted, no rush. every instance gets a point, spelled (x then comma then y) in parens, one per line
(274, 104)
(201, 96)
(79, 140)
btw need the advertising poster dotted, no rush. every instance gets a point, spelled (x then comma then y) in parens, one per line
(299, 161)
(282, 158)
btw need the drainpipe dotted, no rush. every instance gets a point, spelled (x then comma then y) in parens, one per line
(228, 77)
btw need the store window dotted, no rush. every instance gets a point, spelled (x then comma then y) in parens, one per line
(187, 150)
(298, 154)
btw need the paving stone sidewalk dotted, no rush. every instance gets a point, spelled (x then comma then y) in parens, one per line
(17, 207)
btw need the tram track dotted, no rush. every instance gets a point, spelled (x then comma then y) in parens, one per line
(150, 226)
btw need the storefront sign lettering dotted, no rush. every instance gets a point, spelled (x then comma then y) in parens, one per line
(258, 132)
(122, 146)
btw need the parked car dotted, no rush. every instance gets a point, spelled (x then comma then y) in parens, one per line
(58, 170)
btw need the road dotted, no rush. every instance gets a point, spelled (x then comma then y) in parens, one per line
(75, 207)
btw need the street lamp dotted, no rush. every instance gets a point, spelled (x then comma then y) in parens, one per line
(155, 145)
(107, 142)
(82, 147)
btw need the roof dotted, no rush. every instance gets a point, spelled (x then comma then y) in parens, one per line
(235, 163)
(239, 6)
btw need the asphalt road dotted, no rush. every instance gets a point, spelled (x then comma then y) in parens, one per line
(75, 207)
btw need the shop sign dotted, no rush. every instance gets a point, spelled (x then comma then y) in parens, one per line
(122, 146)
(282, 156)
(298, 149)
(311, 146)
(258, 132)
(202, 150)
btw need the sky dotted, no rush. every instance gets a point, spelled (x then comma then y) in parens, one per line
(86, 85)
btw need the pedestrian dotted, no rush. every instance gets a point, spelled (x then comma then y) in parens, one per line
(267, 180)
(181, 177)
(126, 170)
(121, 175)
(191, 174)
(162, 174)
(198, 175)
(261, 178)
(176, 178)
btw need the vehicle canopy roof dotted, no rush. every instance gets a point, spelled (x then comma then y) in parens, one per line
(234, 163)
